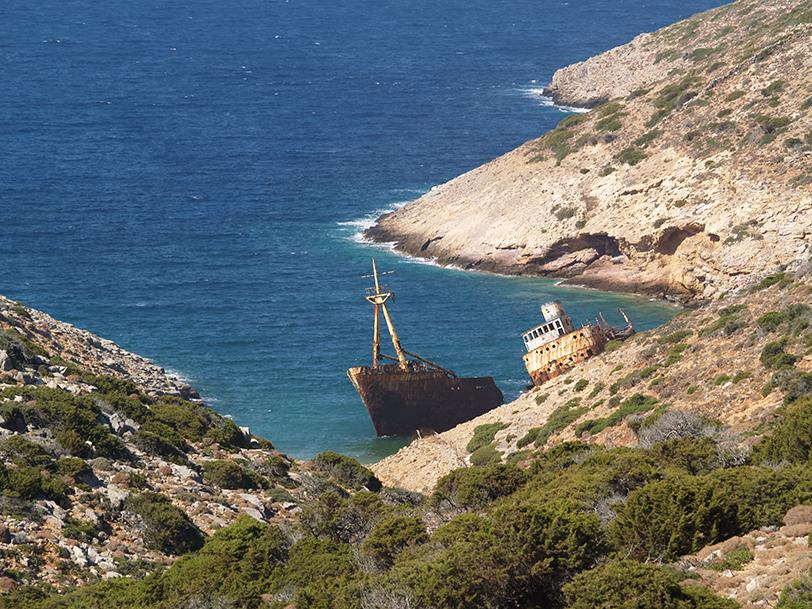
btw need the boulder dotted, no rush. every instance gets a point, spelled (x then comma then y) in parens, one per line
(5, 362)
(800, 514)
(7, 584)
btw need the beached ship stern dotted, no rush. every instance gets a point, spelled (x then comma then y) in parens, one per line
(413, 393)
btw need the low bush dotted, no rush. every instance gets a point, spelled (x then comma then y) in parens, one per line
(346, 470)
(631, 155)
(733, 560)
(166, 528)
(559, 418)
(80, 530)
(628, 584)
(798, 595)
(774, 357)
(476, 487)
(231, 475)
(680, 514)
(486, 455)
(390, 536)
(635, 404)
(484, 434)
(674, 337)
(26, 482)
(791, 439)
(770, 322)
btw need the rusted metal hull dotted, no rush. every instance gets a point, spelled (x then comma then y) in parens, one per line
(558, 356)
(402, 402)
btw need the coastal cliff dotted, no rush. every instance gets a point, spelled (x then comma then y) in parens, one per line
(692, 172)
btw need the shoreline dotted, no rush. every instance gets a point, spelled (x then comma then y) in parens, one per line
(591, 281)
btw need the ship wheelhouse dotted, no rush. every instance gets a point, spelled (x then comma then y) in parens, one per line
(556, 323)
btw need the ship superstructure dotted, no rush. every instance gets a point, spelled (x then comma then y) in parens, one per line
(413, 393)
(556, 345)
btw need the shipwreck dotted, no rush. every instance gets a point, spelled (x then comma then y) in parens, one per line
(411, 393)
(556, 345)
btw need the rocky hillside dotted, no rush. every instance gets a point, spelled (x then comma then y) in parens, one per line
(110, 466)
(709, 362)
(693, 170)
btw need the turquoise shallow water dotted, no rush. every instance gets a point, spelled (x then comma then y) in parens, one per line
(186, 179)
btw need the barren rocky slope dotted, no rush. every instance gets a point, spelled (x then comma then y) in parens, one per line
(695, 171)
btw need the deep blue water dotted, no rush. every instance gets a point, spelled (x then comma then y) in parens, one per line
(181, 177)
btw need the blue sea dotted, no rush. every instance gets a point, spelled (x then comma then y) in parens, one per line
(189, 179)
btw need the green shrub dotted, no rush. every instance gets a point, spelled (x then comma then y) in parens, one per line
(798, 595)
(769, 322)
(733, 560)
(153, 444)
(26, 482)
(773, 356)
(476, 487)
(320, 571)
(596, 390)
(80, 530)
(631, 155)
(628, 584)
(721, 379)
(17, 449)
(779, 279)
(559, 418)
(341, 519)
(740, 376)
(73, 418)
(580, 385)
(674, 337)
(612, 345)
(791, 439)
(239, 563)
(346, 470)
(529, 437)
(646, 139)
(606, 170)
(231, 475)
(484, 434)
(518, 557)
(166, 527)
(680, 514)
(391, 536)
(485, 455)
(635, 404)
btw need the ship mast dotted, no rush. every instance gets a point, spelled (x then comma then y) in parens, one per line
(378, 299)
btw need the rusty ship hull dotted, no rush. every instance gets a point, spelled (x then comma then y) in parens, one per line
(556, 357)
(400, 402)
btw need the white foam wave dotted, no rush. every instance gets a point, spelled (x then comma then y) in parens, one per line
(361, 224)
(537, 93)
(177, 375)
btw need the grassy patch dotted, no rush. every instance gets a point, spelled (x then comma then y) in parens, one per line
(484, 434)
(733, 560)
(635, 404)
(631, 155)
(558, 420)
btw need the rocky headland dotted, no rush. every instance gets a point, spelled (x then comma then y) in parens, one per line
(691, 172)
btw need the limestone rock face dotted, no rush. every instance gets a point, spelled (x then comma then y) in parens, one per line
(694, 175)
